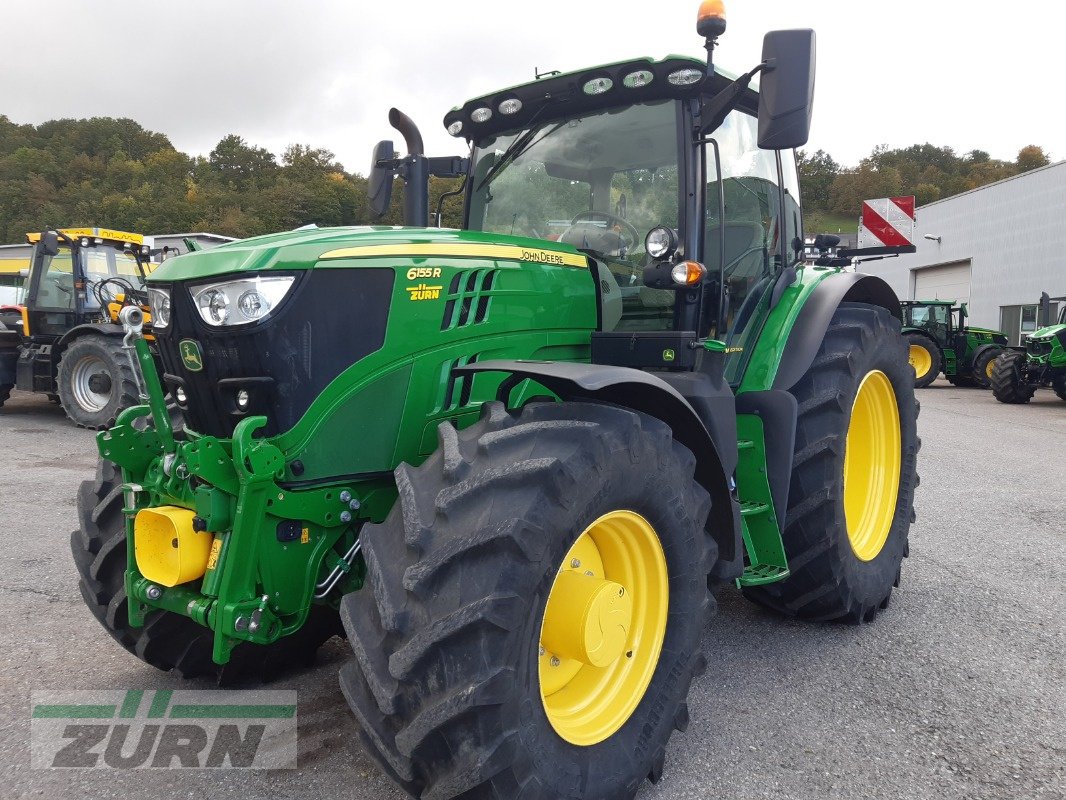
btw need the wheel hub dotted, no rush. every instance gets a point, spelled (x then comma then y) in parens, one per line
(100, 383)
(587, 619)
(920, 360)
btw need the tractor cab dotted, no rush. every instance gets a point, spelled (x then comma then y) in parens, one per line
(938, 318)
(77, 273)
(676, 178)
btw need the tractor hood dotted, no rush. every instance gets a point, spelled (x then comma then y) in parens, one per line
(1048, 332)
(302, 249)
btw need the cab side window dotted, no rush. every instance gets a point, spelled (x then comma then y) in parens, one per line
(56, 287)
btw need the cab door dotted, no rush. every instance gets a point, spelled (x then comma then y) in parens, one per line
(52, 300)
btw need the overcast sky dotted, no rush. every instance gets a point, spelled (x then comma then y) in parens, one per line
(897, 72)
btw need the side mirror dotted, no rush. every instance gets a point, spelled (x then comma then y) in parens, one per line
(49, 244)
(825, 241)
(786, 89)
(379, 183)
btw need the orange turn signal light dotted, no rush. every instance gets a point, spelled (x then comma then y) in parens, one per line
(688, 273)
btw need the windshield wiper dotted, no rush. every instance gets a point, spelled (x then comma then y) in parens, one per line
(518, 146)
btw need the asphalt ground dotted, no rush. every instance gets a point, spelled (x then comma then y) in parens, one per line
(957, 691)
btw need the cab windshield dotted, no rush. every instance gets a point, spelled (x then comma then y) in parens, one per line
(101, 263)
(599, 182)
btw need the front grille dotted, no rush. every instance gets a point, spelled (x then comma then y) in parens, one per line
(330, 319)
(1038, 348)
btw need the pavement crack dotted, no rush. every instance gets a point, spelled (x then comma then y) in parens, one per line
(49, 596)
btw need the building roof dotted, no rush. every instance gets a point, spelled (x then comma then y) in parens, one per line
(1019, 176)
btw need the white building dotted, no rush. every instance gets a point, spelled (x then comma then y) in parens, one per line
(996, 248)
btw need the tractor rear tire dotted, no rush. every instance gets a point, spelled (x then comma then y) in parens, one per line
(1008, 382)
(5, 393)
(88, 362)
(925, 353)
(169, 641)
(446, 679)
(983, 366)
(829, 581)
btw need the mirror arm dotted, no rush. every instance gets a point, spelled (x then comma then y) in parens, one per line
(715, 110)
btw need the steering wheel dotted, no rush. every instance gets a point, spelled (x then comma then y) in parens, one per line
(612, 221)
(108, 290)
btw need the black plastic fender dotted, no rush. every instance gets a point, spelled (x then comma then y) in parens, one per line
(639, 391)
(814, 318)
(103, 329)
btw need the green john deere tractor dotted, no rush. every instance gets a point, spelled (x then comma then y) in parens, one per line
(939, 340)
(508, 461)
(1020, 371)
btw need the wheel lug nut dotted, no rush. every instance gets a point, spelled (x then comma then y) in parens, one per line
(575, 563)
(541, 650)
(555, 661)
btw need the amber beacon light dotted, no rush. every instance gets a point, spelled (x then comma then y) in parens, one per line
(710, 22)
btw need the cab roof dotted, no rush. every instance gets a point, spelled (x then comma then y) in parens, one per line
(563, 94)
(107, 234)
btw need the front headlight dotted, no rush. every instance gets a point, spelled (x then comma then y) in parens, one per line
(240, 302)
(159, 305)
(660, 242)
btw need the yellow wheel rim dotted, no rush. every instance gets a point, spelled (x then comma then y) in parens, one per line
(989, 367)
(872, 458)
(920, 360)
(603, 628)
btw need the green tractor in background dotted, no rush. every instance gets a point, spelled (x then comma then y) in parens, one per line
(1020, 371)
(939, 340)
(508, 461)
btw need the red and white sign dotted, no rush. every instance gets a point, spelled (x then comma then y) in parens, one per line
(888, 221)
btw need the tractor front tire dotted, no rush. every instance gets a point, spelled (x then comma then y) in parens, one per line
(924, 358)
(850, 502)
(1008, 379)
(1058, 384)
(456, 683)
(169, 641)
(95, 381)
(983, 367)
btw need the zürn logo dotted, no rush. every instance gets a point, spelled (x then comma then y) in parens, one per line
(164, 729)
(191, 355)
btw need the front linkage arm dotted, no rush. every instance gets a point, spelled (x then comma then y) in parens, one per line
(269, 544)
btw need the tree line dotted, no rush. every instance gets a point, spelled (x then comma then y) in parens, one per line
(114, 173)
(926, 171)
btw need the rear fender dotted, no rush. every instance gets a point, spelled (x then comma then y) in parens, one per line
(813, 320)
(99, 329)
(983, 349)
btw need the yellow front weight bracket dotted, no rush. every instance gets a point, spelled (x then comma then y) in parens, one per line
(168, 551)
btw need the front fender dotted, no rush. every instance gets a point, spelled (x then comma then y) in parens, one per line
(639, 391)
